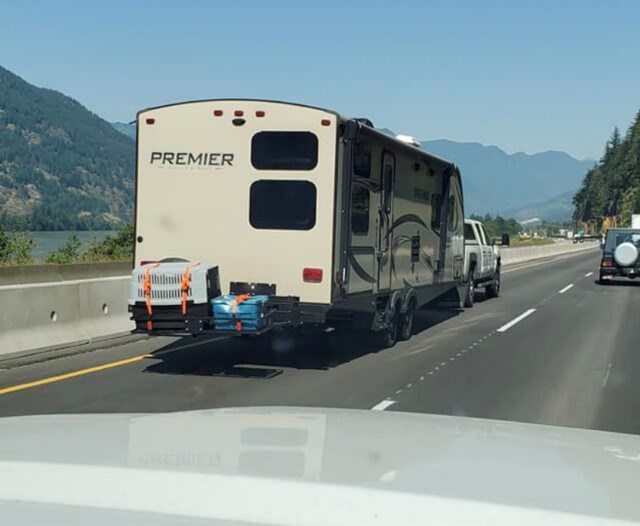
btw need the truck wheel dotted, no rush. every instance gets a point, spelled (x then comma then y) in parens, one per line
(407, 321)
(470, 293)
(493, 290)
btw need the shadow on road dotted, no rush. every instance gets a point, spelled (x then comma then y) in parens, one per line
(260, 358)
(618, 283)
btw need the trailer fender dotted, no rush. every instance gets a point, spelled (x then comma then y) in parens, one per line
(398, 298)
(409, 295)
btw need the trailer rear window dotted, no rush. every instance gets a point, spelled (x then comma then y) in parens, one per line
(282, 205)
(280, 150)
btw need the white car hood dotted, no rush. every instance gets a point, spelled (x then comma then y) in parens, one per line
(298, 466)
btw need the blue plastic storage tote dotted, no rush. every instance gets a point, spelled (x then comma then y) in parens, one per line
(249, 313)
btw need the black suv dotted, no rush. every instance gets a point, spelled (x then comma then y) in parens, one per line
(620, 254)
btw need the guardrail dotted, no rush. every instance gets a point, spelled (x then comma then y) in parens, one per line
(53, 306)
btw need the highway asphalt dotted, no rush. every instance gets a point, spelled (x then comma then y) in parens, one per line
(555, 348)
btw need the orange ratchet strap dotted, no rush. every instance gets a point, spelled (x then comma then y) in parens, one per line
(234, 308)
(146, 287)
(184, 286)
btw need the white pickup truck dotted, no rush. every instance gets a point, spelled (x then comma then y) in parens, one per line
(481, 262)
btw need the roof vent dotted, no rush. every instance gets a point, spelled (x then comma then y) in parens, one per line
(409, 140)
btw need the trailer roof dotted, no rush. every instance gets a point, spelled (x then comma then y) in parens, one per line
(367, 130)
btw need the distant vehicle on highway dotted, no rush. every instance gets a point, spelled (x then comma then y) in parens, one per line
(481, 262)
(253, 215)
(620, 254)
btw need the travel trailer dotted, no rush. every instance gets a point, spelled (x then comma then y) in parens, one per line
(252, 215)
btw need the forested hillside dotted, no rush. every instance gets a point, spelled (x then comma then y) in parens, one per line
(612, 188)
(61, 166)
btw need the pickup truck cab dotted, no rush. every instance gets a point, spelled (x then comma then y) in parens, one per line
(481, 262)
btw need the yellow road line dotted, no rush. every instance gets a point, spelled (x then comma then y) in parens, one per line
(99, 368)
(73, 374)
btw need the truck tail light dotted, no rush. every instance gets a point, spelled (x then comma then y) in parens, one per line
(312, 275)
(607, 264)
(147, 262)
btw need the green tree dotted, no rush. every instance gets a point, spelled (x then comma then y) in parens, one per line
(69, 253)
(610, 187)
(113, 248)
(19, 249)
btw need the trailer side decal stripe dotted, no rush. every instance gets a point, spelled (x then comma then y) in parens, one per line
(362, 273)
(408, 218)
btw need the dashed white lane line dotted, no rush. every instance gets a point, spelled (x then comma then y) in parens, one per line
(522, 316)
(383, 405)
(588, 274)
(562, 291)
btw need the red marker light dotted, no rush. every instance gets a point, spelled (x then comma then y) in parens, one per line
(238, 113)
(217, 113)
(312, 275)
(325, 122)
(259, 113)
(150, 121)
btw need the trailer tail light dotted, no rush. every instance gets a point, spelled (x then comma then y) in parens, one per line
(217, 113)
(607, 264)
(238, 113)
(325, 122)
(312, 275)
(147, 262)
(259, 113)
(150, 121)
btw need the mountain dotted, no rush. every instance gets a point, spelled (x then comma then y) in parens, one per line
(612, 187)
(559, 208)
(61, 166)
(494, 180)
(127, 129)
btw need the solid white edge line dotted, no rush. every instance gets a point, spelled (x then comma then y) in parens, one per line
(562, 291)
(383, 405)
(522, 316)
(588, 274)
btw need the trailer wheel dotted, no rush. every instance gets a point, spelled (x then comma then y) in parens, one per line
(407, 321)
(388, 337)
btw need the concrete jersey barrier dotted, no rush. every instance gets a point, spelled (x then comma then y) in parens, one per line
(511, 256)
(68, 305)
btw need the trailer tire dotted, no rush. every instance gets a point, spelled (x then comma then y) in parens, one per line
(407, 321)
(387, 338)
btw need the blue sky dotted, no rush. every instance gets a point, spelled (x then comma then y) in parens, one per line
(523, 75)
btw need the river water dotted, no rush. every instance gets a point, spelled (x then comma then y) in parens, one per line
(45, 242)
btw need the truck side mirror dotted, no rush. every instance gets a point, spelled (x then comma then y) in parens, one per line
(506, 240)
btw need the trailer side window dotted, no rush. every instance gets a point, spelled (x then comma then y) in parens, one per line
(360, 210)
(282, 205)
(283, 150)
(362, 159)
